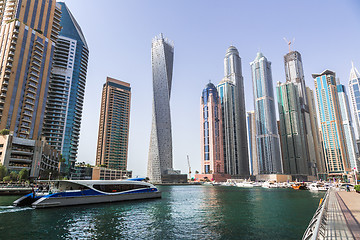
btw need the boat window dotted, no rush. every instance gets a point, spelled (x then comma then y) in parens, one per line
(118, 187)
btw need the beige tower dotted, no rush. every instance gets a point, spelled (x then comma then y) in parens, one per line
(28, 33)
(112, 147)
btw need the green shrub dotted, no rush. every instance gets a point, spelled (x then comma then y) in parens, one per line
(5, 131)
(7, 179)
(357, 188)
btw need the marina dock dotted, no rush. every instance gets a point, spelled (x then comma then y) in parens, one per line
(337, 217)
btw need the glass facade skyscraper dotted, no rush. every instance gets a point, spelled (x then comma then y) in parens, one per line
(66, 90)
(349, 134)
(295, 74)
(211, 132)
(292, 130)
(231, 91)
(334, 144)
(320, 163)
(253, 157)
(28, 33)
(354, 90)
(160, 160)
(267, 137)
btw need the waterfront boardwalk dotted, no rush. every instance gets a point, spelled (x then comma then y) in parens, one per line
(337, 218)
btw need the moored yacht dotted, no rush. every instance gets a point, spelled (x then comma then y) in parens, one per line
(318, 186)
(77, 192)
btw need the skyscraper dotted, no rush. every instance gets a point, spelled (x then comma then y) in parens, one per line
(112, 147)
(211, 132)
(292, 130)
(351, 146)
(251, 128)
(267, 138)
(334, 144)
(354, 89)
(231, 91)
(160, 160)
(319, 153)
(66, 89)
(294, 73)
(28, 33)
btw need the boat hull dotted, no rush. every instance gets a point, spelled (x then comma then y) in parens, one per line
(81, 200)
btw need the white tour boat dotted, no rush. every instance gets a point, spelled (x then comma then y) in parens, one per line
(77, 192)
(318, 187)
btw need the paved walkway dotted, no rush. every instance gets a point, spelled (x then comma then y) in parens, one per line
(349, 203)
(336, 226)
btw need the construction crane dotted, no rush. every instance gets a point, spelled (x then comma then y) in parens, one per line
(289, 43)
(189, 166)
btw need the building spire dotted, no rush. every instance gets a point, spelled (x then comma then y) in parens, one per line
(354, 74)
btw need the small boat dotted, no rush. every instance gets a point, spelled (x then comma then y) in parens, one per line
(318, 187)
(270, 184)
(76, 192)
(245, 184)
(299, 186)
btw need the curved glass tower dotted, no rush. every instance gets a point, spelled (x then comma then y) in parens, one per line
(267, 137)
(160, 150)
(66, 90)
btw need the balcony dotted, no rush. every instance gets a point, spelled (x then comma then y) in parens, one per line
(37, 58)
(35, 80)
(36, 63)
(9, 64)
(30, 90)
(11, 53)
(25, 152)
(26, 120)
(15, 160)
(35, 68)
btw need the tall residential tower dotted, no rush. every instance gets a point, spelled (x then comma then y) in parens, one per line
(66, 89)
(212, 157)
(354, 89)
(347, 123)
(231, 91)
(112, 147)
(267, 137)
(28, 33)
(294, 73)
(334, 144)
(160, 161)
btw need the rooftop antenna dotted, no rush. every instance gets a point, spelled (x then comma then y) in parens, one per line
(289, 43)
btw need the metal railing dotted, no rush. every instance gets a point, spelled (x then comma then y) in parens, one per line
(316, 228)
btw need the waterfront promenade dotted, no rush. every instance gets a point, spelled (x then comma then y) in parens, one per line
(337, 217)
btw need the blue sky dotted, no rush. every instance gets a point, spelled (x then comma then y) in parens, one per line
(119, 35)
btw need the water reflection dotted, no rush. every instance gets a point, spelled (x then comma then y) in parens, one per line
(184, 212)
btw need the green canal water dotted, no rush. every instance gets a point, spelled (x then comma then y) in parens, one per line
(183, 212)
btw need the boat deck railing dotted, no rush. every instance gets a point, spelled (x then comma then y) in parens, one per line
(316, 228)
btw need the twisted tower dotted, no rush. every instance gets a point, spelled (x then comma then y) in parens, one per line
(160, 151)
